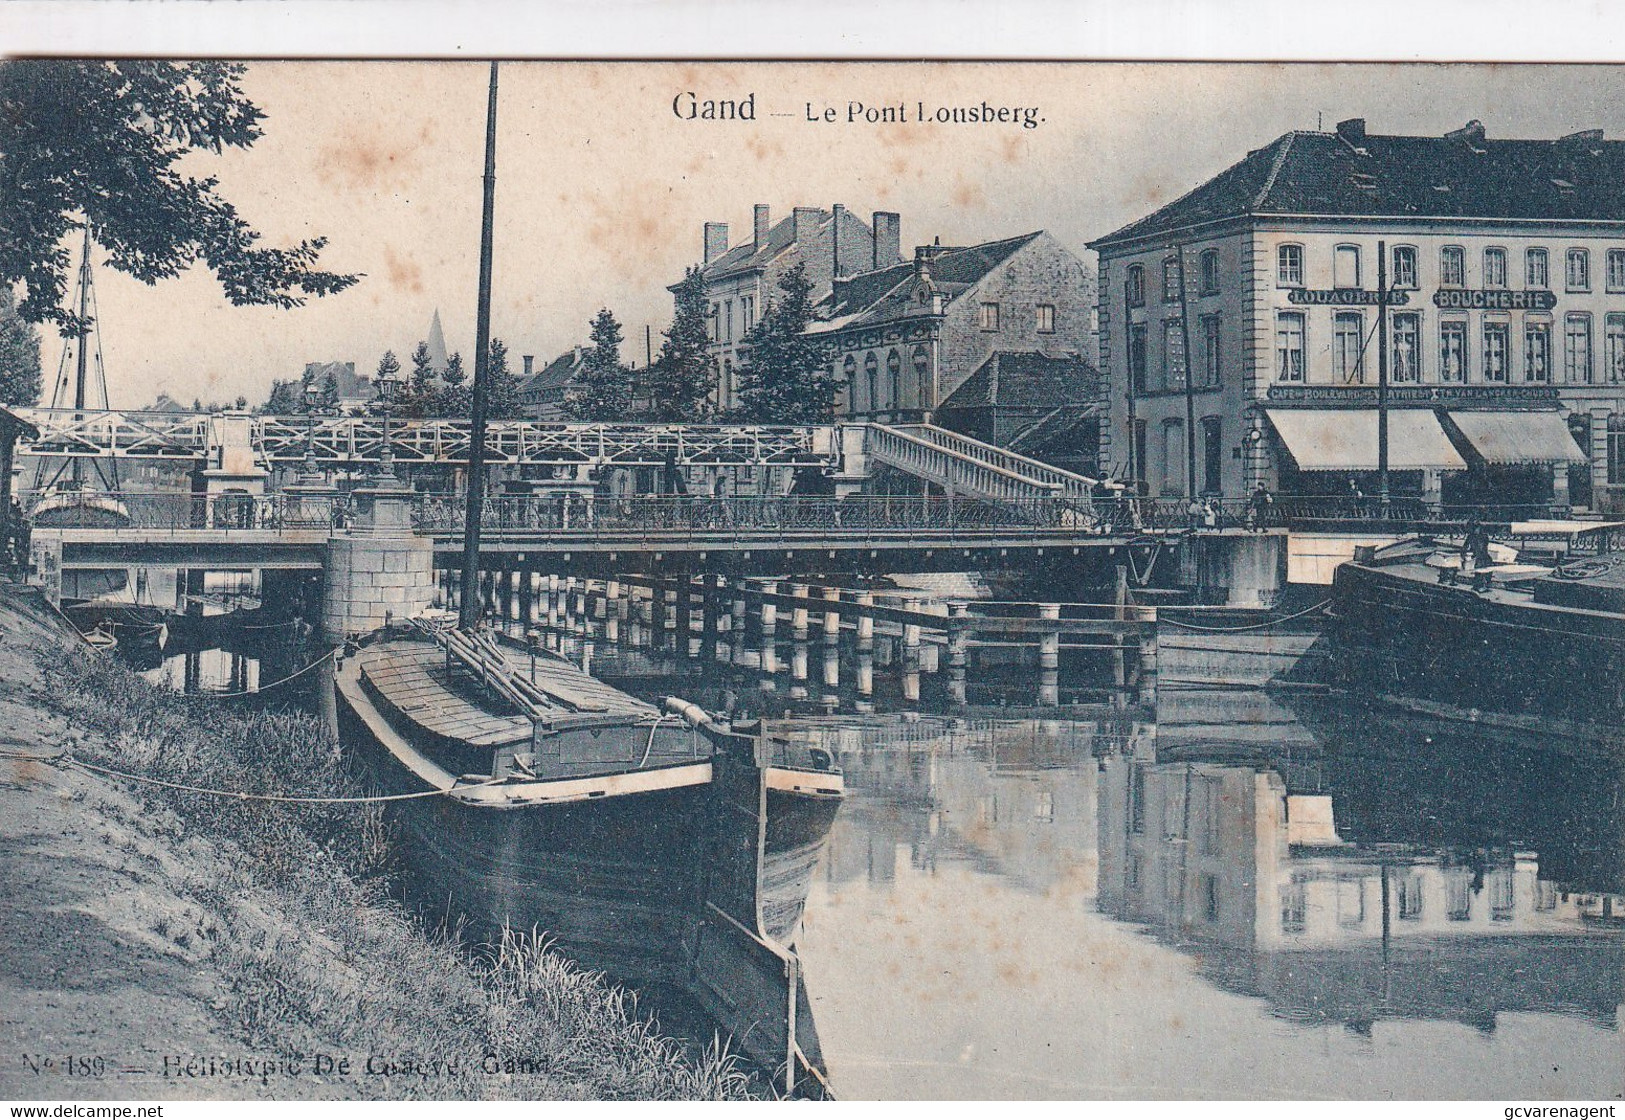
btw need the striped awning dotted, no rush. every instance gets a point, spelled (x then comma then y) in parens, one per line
(1519, 437)
(1335, 439)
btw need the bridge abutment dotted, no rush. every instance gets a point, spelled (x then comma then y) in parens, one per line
(378, 569)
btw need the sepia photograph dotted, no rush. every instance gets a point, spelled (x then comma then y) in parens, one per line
(840, 580)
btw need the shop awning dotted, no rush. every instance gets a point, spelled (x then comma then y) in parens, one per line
(1346, 439)
(1519, 437)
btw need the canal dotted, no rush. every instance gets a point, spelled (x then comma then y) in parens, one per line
(1238, 892)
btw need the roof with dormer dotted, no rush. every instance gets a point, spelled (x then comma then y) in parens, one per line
(885, 294)
(1349, 173)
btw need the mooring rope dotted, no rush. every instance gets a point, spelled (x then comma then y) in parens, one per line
(280, 680)
(66, 759)
(1250, 626)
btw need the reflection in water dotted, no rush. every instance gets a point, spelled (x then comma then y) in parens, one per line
(1243, 895)
(1053, 909)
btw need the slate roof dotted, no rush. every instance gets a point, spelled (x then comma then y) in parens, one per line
(748, 256)
(873, 297)
(1462, 175)
(556, 375)
(351, 386)
(1027, 380)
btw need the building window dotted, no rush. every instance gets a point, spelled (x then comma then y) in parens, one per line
(1289, 266)
(990, 316)
(1136, 798)
(1577, 348)
(1173, 354)
(1536, 273)
(1408, 896)
(1452, 267)
(849, 369)
(1616, 449)
(1210, 352)
(1407, 364)
(1537, 351)
(728, 320)
(1404, 267)
(1136, 357)
(1346, 266)
(1495, 268)
(1134, 286)
(1614, 353)
(1212, 454)
(894, 374)
(747, 308)
(1289, 346)
(712, 323)
(871, 374)
(1577, 278)
(1172, 277)
(1453, 350)
(1348, 340)
(1497, 341)
(1173, 458)
(1046, 318)
(922, 371)
(1210, 272)
(1616, 270)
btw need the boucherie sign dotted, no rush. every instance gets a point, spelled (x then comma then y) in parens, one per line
(1494, 299)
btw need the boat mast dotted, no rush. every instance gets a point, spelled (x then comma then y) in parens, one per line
(469, 610)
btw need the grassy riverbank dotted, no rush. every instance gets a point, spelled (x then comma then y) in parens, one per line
(275, 916)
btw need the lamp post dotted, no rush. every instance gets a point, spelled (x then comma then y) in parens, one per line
(387, 386)
(313, 397)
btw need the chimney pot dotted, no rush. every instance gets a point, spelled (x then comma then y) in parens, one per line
(761, 222)
(837, 212)
(530, 363)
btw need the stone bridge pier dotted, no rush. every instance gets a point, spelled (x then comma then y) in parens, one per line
(378, 569)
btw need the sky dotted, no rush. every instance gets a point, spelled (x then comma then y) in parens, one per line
(602, 189)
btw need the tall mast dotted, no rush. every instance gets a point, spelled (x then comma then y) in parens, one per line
(469, 611)
(81, 347)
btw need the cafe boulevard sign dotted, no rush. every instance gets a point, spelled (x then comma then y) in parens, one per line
(1494, 299)
(1347, 297)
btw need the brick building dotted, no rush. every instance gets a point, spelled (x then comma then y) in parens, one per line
(972, 330)
(1506, 327)
(740, 280)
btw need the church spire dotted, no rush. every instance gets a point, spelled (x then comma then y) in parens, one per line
(437, 344)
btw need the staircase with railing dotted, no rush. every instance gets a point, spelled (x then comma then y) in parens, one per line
(969, 467)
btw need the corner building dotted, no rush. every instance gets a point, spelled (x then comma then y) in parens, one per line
(1254, 296)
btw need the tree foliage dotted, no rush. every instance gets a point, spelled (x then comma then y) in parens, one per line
(683, 377)
(19, 354)
(455, 399)
(782, 379)
(604, 389)
(419, 399)
(502, 386)
(100, 142)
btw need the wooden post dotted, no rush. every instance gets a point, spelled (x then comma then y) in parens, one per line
(1049, 659)
(1148, 657)
(736, 622)
(911, 658)
(800, 632)
(1120, 614)
(612, 610)
(832, 641)
(770, 626)
(958, 651)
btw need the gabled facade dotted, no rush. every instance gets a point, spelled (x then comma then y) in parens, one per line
(904, 339)
(1508, 257)
(741, 280)
(542, 394)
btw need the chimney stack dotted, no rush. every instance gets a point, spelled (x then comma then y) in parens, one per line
(1471, 134)
(888, 228)
(760, 224)
(806, 221)
(839, 212)
(716, 240)
(530, 363)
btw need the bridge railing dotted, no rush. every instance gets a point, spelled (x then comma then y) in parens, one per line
(923, 456)
(93, 509)
(790, 515)
(974, 450)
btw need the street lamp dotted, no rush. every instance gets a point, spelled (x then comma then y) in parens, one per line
(313, 398)
(387, 386)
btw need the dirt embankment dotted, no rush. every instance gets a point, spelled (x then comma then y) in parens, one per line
(158, 944)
